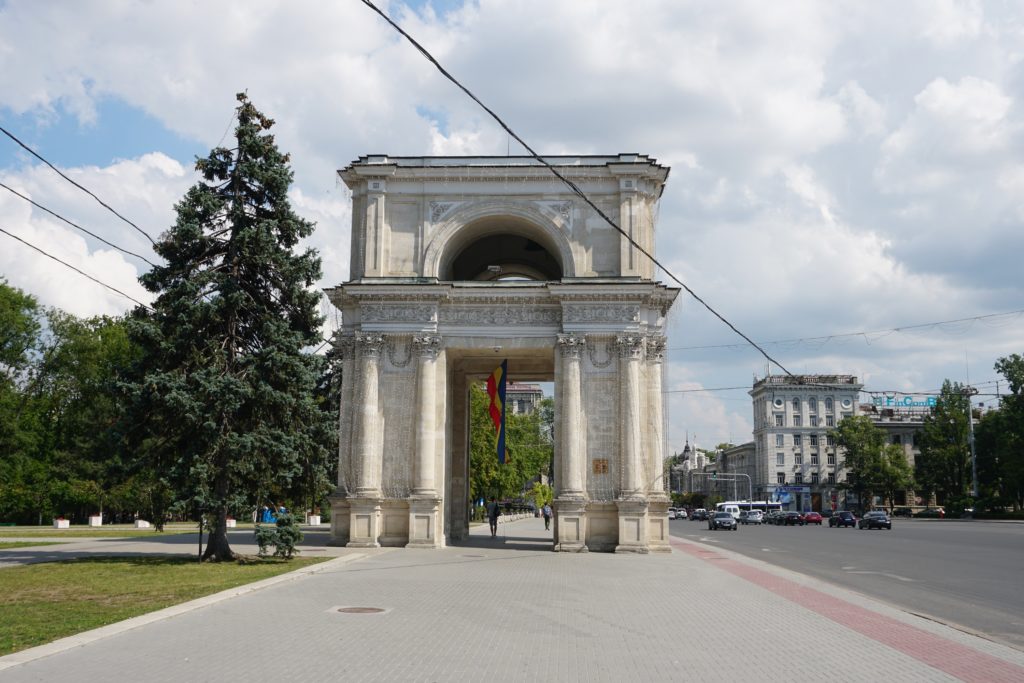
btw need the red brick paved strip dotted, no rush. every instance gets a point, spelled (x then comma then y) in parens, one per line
(935, 651)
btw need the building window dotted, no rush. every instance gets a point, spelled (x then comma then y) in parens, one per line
(797, 441)
(845, 415)
(814, 477)
(798, 478)
(780, 420)
(814, 420)
(814, 458)
(779, 440)
(831, 458)
(828, 405)
(797, 422)
(830, 440)
(780, 458)
(796, 405)
(910, 439)
(798, 458)
(812, 404)
(832, 478)
(896, 439)
(830, 421)
(814, 440)
(780, 477)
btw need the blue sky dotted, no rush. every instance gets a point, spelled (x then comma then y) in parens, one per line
(836, 167)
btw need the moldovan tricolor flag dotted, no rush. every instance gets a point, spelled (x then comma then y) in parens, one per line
(496, 390)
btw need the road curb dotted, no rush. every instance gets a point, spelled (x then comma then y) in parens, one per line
(80, 639)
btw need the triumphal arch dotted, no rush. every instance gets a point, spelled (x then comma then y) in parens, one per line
(458, 263)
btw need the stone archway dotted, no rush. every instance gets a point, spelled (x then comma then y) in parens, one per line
(425, 311)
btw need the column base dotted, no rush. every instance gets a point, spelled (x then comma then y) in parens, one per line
(570, 525)
(364, 522)
(423, 515)
(340, 519)
(633, 531)
(657, 525)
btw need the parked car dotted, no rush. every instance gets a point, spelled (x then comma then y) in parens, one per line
(773, 517)
(671, 513)
(680, 513)
(843, 518)
(932, 512)
(751, 517)
(722, 520)
(793, 518)
(875, 520)
(812, 518)
(902, 512)
(699, 515)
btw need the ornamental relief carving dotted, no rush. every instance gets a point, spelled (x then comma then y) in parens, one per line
(439, 210)
(397, 314)
(631, 347)
(346, 346)
(500, 316)
(601, 314)
(370, 345)
(655, 348)
(560, 209)
(427, 345)
(571, 345)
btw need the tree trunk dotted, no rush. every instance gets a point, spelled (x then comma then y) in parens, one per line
(217, 547)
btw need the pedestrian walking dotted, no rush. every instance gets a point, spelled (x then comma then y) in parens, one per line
(493, 512)
(546, 511)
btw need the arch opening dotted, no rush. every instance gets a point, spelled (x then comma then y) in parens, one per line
(501, 248)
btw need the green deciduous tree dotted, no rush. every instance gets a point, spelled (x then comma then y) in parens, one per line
(224, 384)
(999, 440)
(944, 463)
(862, 444)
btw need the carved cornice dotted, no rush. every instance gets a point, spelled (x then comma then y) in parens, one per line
(370, 345)
(601, 314)
(631, 347)
(571, 345)
(427, 346)
(655, 348)
(503, 313)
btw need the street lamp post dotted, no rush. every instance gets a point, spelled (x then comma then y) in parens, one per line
(968, 392)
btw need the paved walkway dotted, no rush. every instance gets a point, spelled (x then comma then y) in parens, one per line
(509, 610)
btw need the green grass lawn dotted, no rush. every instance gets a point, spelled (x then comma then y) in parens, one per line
(105, 531)
(43, 602)
(24, 544)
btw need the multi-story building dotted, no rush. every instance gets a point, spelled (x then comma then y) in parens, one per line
(522, 399)
(795, 459)
(901, 420)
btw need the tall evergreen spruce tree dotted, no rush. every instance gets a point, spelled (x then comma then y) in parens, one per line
(224, 378)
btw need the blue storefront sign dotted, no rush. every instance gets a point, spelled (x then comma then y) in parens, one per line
(905, 401)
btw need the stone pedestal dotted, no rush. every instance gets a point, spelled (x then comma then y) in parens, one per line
(423, 517)
(364, 523)
(340, 519)
(61, 524)
(96, 520)
(633, 526)
(657, 525)
(314, 520)
(143, 524)
(571, 525)
(230, 523)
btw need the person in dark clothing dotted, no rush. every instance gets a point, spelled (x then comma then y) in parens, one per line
(493, 512)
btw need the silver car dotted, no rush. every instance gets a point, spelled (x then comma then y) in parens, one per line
(751, 517)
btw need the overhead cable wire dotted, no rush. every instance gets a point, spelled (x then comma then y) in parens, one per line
(571, 185)
(80, 272)
(79, 186)
(826, 338)
(74, 225)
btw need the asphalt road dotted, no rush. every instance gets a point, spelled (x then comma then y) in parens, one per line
(968, 574)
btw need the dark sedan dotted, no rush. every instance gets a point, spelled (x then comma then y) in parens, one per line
(722, 520)
(844, 518)
(793, 518)
(875, 520)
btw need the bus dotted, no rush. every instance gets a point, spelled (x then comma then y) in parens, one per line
(738, 506)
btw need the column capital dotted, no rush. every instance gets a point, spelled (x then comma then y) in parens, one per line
(369, 344)
(427, 346)
(571, 345)
(346, 345)
(655, 348)
(631, 347)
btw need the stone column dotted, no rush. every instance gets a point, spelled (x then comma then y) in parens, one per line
(365, 499)
(570, 506)
(632, 503)
(424, 504)
(658, 500)
(346, 347)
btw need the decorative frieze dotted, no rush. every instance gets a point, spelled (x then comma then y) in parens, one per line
(391, 313)
(602, 314)
(500, 315)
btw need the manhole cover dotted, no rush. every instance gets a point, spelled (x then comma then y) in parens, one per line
(360, 610)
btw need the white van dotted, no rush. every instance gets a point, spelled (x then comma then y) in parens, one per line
(733, 510)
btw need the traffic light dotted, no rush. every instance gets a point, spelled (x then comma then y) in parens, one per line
(714, 475)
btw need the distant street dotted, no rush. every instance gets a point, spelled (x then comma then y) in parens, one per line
(958, 572)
